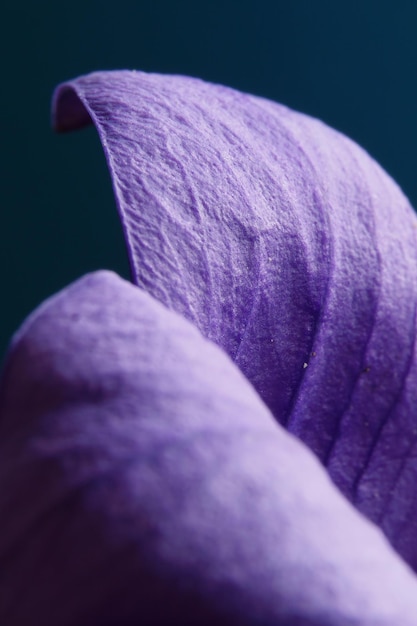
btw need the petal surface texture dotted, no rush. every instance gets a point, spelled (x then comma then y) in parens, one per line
(142, 481)
(290, 248)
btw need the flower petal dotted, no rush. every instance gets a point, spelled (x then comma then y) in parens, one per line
(288, 246)
(143, 481)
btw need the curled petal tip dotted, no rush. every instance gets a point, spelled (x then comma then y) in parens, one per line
(68, 111)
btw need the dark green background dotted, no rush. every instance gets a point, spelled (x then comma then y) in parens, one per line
(350, 63)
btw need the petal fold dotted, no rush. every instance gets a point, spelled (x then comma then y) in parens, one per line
(143, 481)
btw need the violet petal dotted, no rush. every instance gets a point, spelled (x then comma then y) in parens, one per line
(143, 481)
(288, 246)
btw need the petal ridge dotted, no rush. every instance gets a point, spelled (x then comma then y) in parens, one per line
(233, 206)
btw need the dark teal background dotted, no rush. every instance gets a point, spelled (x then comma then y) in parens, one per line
(350, 63)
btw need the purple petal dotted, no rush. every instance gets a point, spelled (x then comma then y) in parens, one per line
(143, 481)
(288, 246)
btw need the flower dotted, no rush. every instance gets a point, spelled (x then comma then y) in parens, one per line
(231, 439)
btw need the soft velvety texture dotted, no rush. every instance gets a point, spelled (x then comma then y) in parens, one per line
(289, 247)
(143, 481)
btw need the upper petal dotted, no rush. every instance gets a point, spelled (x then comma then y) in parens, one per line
(287, 245)
(143, 481)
